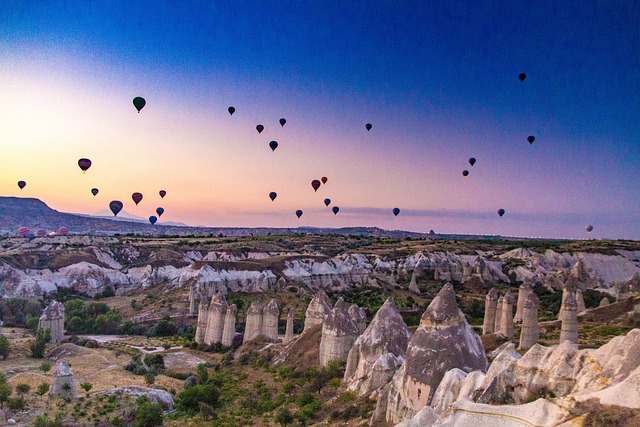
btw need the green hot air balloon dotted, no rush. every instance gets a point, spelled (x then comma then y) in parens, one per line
(139, 103)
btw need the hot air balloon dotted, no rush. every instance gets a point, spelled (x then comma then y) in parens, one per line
(41, 232)
(159, 211)
(500, 211)
(23, 231)
(63, 231)
(273, 195)
(152, 219)
(282, 121)
(273, 145)
(94, 191)
(231, 110)
(396, 211)
(115, 206)
(136, 197)
(465, 173)
(315, 184)
(368, 126)
(327, 202)
(21, 184)
(589, 228)
(298, 213)
(259, 128)
(335, 210)
(531, 138)
(139, 103)
(522, 76)
(84, 164)
(472, 161)
(162, 194)
(324, 179)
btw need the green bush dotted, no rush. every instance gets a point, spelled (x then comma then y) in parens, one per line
(190, 398)
(38, 346)
(147, 414)
(4, 347)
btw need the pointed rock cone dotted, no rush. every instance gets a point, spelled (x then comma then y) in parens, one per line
(490, 305)
(339, 331)
(530, 333)
(318, 310)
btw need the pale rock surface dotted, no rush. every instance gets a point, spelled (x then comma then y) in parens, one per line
(253, 325)
(359, 316)
(630, 288)
(61, 377)
(490, 307)
(506, 316)
(215, 319)
(569, 328)
(53, 319)
(317, 311)
(270, 320)
(339, 332)
(229, 331)
(288, 334)
(153, 395)
(530, 333)
(523, 292)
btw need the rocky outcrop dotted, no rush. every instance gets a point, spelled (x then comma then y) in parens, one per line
(215, 319)
(318, 310)
(153, 395)
(270, 321)
(359, 316)
(498, 319)
(288, 334)
(229, 331)
(443, 341)
(523, 293)
(339, 331)
(378, 352)
(490, 305)
(64, 383)
(569, 329)
(630, 288)
(506, 313)
(253, 325)
(529, 334)
(201, 323)
(192, 300)
(53, 319)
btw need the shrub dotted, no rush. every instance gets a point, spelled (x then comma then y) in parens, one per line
(4, 347)
(37, 347)
(147, 414)
(191, 397)
(16, 403)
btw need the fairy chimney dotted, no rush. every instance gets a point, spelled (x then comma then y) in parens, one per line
(496, 324)
(317, 311)
(569, 329)
(253, 325)
(229, 331)
(490, 304)
(215, 319)
(271, 317)
(53, 319)
(288, 334)
(201, 324)
(339, 331)
(530, 333)
(506, 322)
(64, 383)
(523, 293)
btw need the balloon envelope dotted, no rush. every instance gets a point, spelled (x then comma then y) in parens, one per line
(139, 103)
(231, 110)
(396, 211)
(63, 231)
(152, 219)
(465, 173)
(162, 193)
(21, 184)
(94, 191)
(472, 161)
(589, 228)
(282, 121)
(84, 164)
(23, 231)
(500, 212)
(298, 213)
(259, 128)
(273, 145)
(335, 210)
(522, 76)
(136, 197)
(531, 138)
(368, 126)
(159, 211)
(324, 179)
(315, 184)
(115, 206)
(327, 202)
(273, 195)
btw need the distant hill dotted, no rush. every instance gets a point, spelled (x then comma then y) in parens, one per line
(33, 213)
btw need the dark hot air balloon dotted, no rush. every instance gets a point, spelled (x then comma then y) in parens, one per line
(139, 103)
(522, 76)
(159, 211)
(589, 228)
(162, 194)
(152, 219)
(259, 128)
(335, 210)
(500, 211)
(282, 121)
(84, 164)
(273, 195)
(465, 173)
(21, 184)
(115, 206)
(298, 213)
(94, 191)
(231, 110)
(136, 197)
(273, 145)
(396, 211)
(315, 184)
(327, 202)
(472, 161)
(531, 138)
(368, 126)
(324, 179)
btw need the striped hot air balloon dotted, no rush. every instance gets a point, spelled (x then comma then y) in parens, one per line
(63, 231)
(41, 232)
(23, 231)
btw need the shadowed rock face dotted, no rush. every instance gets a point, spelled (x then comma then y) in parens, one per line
(64, 383)
(339, 331)
(318, 310)
(378, 352)
(443, 341)
(630, 288)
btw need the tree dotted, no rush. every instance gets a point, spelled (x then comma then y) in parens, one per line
(190, 398)
(4, 347)
(42, 389)
(45, 367)
(147, 414)
(86, 386)
(16, 403)
(202, 373)
(22, 388)
(284, 417)
(43, 336)
(5, 389)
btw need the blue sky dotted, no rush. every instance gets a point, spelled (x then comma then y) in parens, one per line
(438, 81)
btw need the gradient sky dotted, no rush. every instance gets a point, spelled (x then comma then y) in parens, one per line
(438, 81)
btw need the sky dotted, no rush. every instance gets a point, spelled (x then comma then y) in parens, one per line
(438, 81)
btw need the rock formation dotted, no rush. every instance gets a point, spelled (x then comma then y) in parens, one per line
(253, 325)
(498, 319)
(604, 302)
(64, 384)
(192, 300)
(630, 288)
(569, 329)
(378, 352)
(53, 319)
(288, 334)
(506, 321)
(523, 292)
(317, 311)
(359, 316)
(229, 331)
(490, 304)
(339, 331)
(443, 341)
(201, 323)
(215, 319)
(271, 316)
(530, 333)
